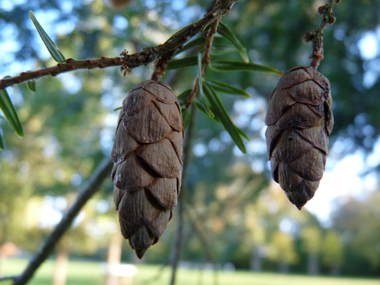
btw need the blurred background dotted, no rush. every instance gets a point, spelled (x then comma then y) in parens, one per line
(239, 228)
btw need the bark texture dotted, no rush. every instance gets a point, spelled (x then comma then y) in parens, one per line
(299, 120)
(147, 153)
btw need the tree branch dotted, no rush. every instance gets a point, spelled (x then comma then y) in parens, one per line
(316, 36)
(127, 62)
(88, 190)
(178, 237)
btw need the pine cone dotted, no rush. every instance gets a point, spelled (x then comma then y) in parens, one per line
(299, 120)
(147, 154)
(116, 4)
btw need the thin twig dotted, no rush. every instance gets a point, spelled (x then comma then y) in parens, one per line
(316, 36)
(178, 236)
(88, 190)
(160, 65)
(127, 62)
(205, 61)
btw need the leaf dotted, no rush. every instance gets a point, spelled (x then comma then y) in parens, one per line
(200, 88)
(235, 65)
(221, 42)
(183, 62)
(10, 113)
(184, 96)
(1, 142)
(118, 108)
(193, 44)
(223, 116)
(221, 46)
(185, 116)
(221, 51)
(31, 85)
(228, 34)
(50, 45)
(199, 106)
(242, 133)
(228, 89)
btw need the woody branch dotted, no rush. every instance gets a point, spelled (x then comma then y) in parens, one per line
(129, 61)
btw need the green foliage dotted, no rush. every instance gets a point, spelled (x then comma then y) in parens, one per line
(311, 240)
(282, 248)
(358, 222)
(228, 34)
(223, 116)
(332, 250)
(228, 89)
(185, 117)
(229, 66)
(183, 62)
(184, 96)
(50, 45)
(10, 113)
(31, 85)
(198, 42)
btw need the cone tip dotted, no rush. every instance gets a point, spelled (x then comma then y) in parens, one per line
(140, 252)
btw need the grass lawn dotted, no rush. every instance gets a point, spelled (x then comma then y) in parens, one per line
(91, 273)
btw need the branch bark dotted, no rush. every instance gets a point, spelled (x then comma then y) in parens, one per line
(127, 62)
(88, 190)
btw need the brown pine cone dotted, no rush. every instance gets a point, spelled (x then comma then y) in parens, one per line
(116, 4)
(147, 154)
(299, 120)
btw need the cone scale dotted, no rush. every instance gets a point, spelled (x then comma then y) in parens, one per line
(299, 120)
(147, 156)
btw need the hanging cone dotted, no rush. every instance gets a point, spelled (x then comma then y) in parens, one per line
(299, 120)
(147, 153)
(117, 4)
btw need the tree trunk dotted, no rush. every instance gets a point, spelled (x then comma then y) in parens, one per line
(334, 270)
(283, 267)
(61, 264)
(114, 257)
(256, 260)
(2, 257)
(312, 264)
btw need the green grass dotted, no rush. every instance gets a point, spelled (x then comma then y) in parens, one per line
(91, 273)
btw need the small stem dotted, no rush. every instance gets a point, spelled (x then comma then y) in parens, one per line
(210, 38)
(316, 36)
(161, 64)
(189, 101)
(205, 61)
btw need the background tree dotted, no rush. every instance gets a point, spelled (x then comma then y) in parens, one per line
(282, 250)
(332, 252)
(69, 122)
(311, 242)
